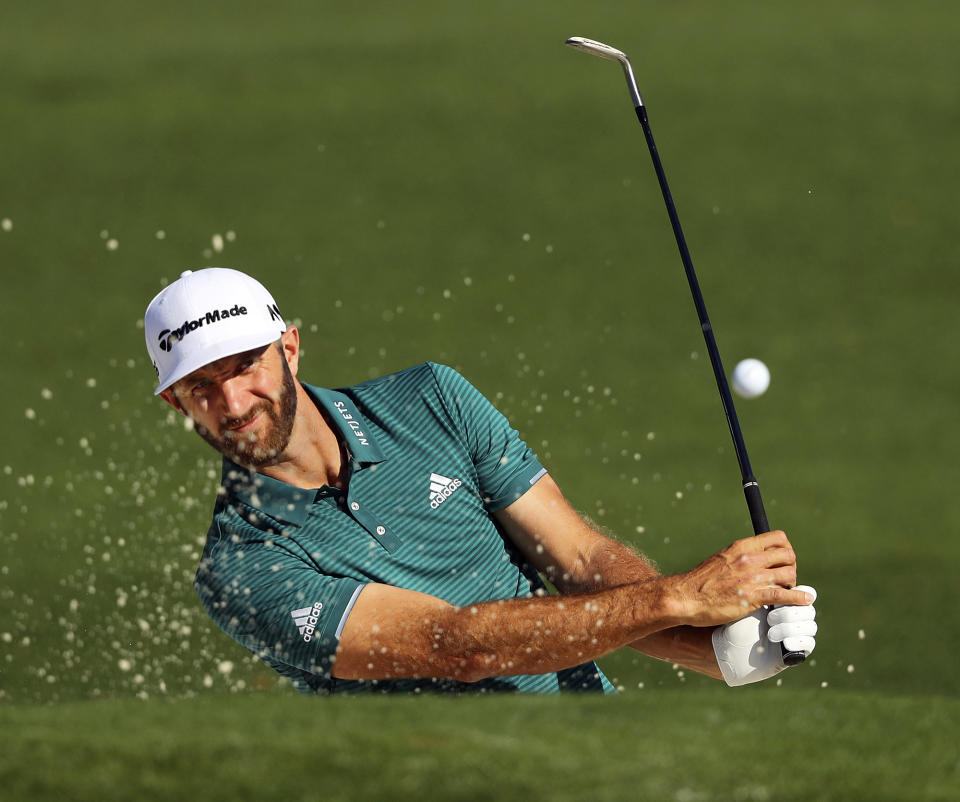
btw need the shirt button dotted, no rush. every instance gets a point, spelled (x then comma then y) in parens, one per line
(381, 530)
(354, 506)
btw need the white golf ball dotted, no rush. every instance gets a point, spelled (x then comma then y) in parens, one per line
(751, 378)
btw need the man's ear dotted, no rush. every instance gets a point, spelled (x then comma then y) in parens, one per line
(170, 397)
(290, 348)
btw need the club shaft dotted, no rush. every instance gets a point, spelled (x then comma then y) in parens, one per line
(751, 490)
(750, 487)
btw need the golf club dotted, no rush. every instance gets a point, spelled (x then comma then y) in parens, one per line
(751, 489)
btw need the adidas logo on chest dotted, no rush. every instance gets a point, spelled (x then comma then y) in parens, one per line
(441, 488)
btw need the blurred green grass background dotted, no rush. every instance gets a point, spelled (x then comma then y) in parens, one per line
(448, 182)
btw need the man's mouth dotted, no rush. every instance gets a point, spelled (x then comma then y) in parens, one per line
(243, 426)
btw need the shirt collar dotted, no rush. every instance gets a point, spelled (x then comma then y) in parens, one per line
(277, 499)
(352, 427)
(285, 502)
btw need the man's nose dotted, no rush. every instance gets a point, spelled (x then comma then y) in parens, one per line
(234, 395)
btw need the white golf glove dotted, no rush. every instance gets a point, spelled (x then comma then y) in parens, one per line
(749, 650)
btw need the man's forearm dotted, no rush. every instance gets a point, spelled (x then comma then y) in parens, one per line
(393, 632)
(610, 564)
(690, 647)
(543, 634)
(607, 563)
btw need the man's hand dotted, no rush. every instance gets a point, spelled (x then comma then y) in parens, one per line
(745, 576)
(749, 650)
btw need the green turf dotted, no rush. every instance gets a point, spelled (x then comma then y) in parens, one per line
(822, 745)
(448, 182)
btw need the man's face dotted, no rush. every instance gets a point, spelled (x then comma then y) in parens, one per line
(242, 405)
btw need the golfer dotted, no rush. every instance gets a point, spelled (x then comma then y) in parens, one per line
(395, 536)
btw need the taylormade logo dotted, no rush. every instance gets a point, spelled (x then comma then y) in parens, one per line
(168, 337)
(306, 620)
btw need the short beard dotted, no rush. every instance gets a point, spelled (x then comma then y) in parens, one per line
(258, 454)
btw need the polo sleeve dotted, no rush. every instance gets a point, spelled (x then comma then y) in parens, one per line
(506, 467)
(271, 600)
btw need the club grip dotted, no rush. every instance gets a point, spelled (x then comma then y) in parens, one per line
(758, 517)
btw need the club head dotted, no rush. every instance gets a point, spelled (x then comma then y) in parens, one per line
(595, 48)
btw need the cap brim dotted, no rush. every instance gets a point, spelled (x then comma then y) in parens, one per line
(212, 353)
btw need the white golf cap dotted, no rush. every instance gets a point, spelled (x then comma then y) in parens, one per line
(204, 316)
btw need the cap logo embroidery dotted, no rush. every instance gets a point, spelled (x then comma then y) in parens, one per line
(169, 337)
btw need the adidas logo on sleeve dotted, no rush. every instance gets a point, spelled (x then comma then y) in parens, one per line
(441, 488)
(306, 620)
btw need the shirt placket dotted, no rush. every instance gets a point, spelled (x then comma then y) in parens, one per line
(363, 514)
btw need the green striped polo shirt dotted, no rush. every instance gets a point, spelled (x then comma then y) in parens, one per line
(429, 460)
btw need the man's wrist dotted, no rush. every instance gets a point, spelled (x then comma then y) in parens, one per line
(667, 605)
(686, 646)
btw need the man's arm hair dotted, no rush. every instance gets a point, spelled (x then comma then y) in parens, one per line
(576, 555)
(393, 632)
(609, 562)
(566, 547)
